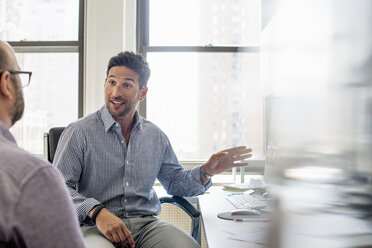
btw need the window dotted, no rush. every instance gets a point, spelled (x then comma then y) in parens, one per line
(47, 37)
(204, 91)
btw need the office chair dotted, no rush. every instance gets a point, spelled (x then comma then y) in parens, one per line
(51, 139)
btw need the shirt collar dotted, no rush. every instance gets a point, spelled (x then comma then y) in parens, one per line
(138, 121)
(109, 122)
(4, 131)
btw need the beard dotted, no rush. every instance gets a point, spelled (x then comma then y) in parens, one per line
(19, 105)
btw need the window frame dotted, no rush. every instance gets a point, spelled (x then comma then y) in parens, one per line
(74, 46)
(143, 47)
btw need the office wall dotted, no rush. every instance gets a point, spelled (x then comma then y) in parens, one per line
(109, 29)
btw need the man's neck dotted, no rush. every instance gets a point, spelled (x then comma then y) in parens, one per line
(126, 124)
(4, 118)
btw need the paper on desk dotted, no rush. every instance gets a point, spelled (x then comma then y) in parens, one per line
(256, 235)
(237, 187)
(253, 184)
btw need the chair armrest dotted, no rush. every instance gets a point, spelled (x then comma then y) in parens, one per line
(193, 212)
(182, 203)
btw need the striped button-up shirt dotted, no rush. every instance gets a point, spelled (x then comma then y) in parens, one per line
(100, 168)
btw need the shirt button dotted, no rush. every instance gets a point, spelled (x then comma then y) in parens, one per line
(117, 124)
(125, 200)
(127, 184)
(127, 162)
(122, 141)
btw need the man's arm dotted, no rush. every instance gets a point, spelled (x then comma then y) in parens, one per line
(44, 216)
(178, 181)
(69, 160)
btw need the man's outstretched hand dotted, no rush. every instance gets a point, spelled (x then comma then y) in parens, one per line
(226, 159)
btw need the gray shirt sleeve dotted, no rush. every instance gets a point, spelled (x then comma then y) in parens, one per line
(43, 215)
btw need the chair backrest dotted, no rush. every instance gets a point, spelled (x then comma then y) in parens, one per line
(51, 141)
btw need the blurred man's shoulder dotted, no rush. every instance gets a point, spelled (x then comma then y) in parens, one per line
(19, 164)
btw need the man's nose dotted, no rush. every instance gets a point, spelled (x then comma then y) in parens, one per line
(116, 91)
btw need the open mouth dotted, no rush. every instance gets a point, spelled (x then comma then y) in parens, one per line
(117, 103)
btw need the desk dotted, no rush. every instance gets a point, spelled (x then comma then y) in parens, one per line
(216, 229)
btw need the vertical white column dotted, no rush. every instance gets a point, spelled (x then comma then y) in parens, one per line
(110, 29)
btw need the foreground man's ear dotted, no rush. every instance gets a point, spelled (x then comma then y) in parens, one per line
(5, 85)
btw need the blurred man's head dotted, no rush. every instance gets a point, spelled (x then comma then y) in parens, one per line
(11, 94)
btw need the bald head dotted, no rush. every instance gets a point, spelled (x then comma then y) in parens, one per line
(7, 58)
(11, 94)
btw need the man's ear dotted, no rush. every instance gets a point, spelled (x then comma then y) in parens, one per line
(143, 93)
(6, 85)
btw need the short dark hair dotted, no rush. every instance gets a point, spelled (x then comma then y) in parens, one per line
(135, 62)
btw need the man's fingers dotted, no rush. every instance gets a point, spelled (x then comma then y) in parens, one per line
(220, 155)
(125, 237)
(234, 149)
(124, 244)
(237, 152)
(234, 153)
(128, 235)
(121, 245)
(122, 238)
(241, 157)
(240, 152)
(116, 237)
(110, 237)
(239, 164)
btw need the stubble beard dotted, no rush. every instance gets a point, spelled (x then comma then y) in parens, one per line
(19, 106)
(128, 108)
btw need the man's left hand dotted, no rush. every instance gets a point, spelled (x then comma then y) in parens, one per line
(226, 159)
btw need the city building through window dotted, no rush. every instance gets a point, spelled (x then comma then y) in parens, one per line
(47, 37)
(204, 90)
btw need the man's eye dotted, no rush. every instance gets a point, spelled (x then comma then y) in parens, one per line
(126, 85)
(111, 82)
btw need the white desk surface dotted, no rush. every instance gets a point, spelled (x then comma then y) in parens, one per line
(216, 229)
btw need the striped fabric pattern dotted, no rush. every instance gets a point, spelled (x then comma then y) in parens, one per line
(99, 167)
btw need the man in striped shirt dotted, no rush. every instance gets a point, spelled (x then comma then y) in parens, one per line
(110, 160)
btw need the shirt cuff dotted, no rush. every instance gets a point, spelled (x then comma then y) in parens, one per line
(84, 209)
(196, 172)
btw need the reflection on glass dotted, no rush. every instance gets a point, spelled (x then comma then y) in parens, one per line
(51, 99)
(39, 20)
(317, 64)
(207, 22)
(206, 102)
